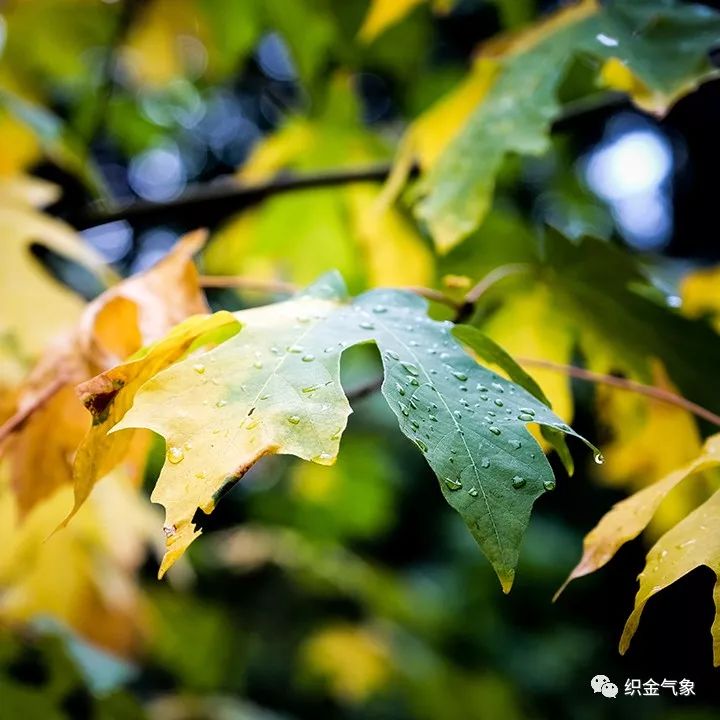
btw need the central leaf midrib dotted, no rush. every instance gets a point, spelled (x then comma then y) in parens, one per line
(454, 421)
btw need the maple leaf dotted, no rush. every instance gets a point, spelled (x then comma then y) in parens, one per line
(50, 422)
(689, 544)
(275, 388)
(657, 52)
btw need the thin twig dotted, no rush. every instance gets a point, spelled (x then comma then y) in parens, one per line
(21, 416)
(465, 310)
(650, 391)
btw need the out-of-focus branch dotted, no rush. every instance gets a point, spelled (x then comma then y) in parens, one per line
(651, 391)
(226, 196)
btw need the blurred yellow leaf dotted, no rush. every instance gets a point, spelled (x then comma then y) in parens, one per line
(19, 146)
(341, 225)
(529, 325)
(155, 52)
(82, 576)
(24, 284)
(700, 293)
(384, 13)
(355, 661)
(650, 439)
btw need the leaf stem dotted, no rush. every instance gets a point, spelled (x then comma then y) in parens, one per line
(466, 309)
(280, 287)
(656, 393)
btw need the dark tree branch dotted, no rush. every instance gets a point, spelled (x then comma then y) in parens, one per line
(224, 197)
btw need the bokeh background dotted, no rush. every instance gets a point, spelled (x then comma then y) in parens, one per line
(350, 592)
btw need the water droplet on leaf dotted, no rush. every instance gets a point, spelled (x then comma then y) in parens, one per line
(175, 454)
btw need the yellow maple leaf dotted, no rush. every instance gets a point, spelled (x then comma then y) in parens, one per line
(650, 439)
(692, 542)
(82, 577)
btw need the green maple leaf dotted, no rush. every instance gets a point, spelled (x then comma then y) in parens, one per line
(275, 388)
(660, 52)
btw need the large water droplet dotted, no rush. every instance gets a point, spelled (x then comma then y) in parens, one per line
(308, 358)
(421, 445)
(175, 454)
(460, 376)
(598, 457)
(257, 365)
(485, 463)
(515, 444)
(294, 419)
(199, 368)
(409, 368)
(529, 411)
(498, 402)
(525, 417)
(365, 325)
(400, 389)
(295, 348)
(473, 492)
(379, 309)
(494, 430)
(518, 482)
(549, 484)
